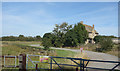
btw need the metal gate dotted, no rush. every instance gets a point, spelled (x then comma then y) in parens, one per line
(10, 57)
(81, 65)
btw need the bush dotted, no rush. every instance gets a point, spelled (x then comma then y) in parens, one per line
(106, 44)
(70, 39)
(47, 40)
(58, 42)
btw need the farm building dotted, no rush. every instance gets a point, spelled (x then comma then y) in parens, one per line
(91, 33)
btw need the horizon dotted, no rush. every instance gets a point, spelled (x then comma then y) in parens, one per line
(38, 18)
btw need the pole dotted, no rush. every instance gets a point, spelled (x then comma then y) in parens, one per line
(51, 64)
(36, 67)
(22, 62)
(76, 68)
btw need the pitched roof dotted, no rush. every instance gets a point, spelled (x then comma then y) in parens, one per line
(89, 28)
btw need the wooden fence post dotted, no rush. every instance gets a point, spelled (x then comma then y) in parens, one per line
(81, 65)
(51, 64)
(76, 68)
(36, 67)
(22, 62)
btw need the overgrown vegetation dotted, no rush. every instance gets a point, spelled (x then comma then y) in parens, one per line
(18, 47)
(64, 35)
(105, 43)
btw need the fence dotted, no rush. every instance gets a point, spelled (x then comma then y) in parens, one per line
(20, 62)
(82, 66)
(9, 57)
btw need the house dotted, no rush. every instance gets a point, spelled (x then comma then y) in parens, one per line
(91, 33)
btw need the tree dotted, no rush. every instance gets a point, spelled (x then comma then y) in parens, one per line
(47, 40)
(38, 38)
(30, 38)
(70, 39)
(9, 38)
(97, 39)
(76, 35)
(81, 33)
(59, 32)
(21, 38)
(65, 35)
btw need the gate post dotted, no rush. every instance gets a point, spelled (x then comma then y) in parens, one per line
(76, 68)
(81, 65)
(51, 64)
(36, 67)
(22, 62)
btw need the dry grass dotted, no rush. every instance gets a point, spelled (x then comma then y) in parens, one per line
(17, 47)
(114, 51)
(93, 47)
(68, 61)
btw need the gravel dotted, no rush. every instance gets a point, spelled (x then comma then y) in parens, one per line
(97, 56)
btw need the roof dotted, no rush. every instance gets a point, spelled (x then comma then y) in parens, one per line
(89, 28)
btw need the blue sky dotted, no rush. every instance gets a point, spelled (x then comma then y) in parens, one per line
(37, 18)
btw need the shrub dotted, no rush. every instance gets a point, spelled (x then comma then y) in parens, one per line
(47, 40)
(106, 44)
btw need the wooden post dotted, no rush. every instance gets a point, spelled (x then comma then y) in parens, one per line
(22, 62)
(36, 67)
(76, 68)
(83, 65)
(80, 65)
(51, 64)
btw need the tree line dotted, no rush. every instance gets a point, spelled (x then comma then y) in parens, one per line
(65, 35)
(21, 38)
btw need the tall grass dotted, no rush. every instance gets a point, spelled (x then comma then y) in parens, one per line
(16, 47)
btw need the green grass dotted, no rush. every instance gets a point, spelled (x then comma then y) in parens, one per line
(16, 47)
(64, 53)
(60, 53)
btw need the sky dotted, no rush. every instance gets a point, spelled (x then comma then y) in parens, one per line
(38, 18)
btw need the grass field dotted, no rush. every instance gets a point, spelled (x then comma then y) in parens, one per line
(15, 48)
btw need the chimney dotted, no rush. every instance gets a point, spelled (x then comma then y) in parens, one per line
(93, 26)
(81, 22)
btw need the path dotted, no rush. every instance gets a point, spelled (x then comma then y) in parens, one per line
(96, 56)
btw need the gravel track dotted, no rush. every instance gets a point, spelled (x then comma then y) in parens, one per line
(95, 56)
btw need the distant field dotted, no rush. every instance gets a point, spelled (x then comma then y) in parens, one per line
(17, 47)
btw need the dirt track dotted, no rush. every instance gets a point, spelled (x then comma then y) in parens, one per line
(97, 56)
